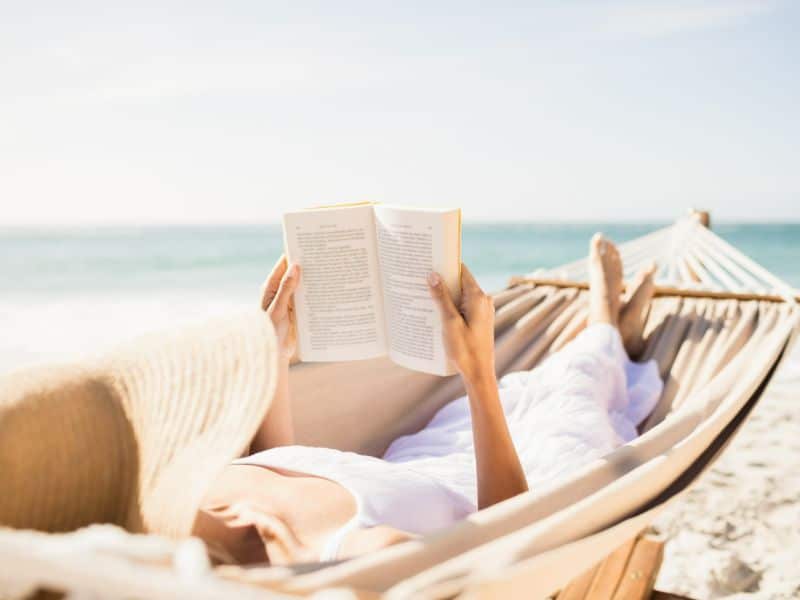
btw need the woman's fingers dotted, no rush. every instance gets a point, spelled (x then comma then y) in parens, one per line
(473, 298)
(273, 282)
(469, 284)
(286, 289)
(280, 286)
(441, 297)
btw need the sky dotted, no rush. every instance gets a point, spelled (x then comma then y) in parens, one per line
(234, 112)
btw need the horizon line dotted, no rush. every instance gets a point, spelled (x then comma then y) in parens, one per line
(505, 221)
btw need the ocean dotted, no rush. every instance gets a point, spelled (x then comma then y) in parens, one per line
(72, 291)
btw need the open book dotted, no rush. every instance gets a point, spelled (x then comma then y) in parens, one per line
(363, 291)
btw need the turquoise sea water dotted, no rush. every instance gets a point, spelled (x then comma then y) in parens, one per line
(66, 292)
(234, 259)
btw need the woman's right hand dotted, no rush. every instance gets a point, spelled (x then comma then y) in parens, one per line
(277, 299)
(468, 327)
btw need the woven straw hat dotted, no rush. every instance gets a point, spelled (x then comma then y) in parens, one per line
(134, 438)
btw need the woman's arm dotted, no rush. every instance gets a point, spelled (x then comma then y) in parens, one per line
(277, 300)
(469, 342)
(277, 428)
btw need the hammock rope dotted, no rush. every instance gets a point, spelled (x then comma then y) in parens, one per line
(690, 259)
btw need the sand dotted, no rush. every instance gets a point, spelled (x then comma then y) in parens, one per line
(736, 533)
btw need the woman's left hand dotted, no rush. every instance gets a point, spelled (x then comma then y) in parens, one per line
(277, 299)
(468, 328)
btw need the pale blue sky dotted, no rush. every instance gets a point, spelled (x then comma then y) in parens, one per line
(236, 111)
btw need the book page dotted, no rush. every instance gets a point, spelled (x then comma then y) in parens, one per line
(411, 244)
(338, 304)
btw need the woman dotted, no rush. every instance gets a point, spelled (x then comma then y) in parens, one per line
(288, 504)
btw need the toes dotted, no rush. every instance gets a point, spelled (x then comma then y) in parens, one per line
(644, 275)
(642, 289)
(601, 246)
(613, 261)
(597, 245)
(612, 250)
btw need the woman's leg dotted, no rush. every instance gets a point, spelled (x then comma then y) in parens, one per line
(596, 369)
(633, 314)
(605, 291)
(605, 282)
(592, 383)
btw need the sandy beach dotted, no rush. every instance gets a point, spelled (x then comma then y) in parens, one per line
(736, 534)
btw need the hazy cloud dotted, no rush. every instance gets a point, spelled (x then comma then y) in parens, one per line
(667, 17)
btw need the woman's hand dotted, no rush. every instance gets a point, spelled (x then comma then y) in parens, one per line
(468, 327)
(277, 299)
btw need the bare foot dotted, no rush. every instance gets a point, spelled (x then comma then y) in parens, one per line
(605, 281)
(633, 315)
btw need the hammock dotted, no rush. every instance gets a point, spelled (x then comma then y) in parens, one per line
(718, 328)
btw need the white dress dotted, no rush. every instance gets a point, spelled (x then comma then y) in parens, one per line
(580, 404)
